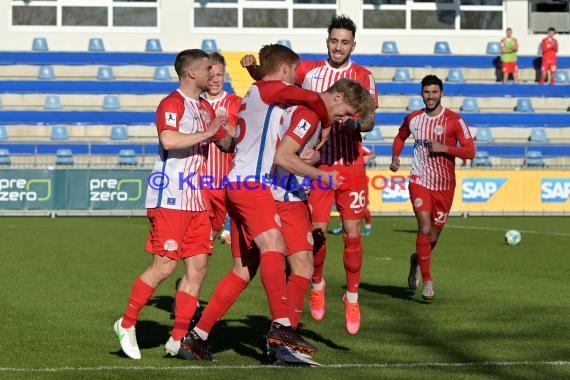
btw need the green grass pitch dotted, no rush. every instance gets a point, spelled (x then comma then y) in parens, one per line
(500, 312)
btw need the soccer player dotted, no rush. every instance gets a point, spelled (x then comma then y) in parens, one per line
(179, 224)
(256, 236)
(440, 135)
(509, 48)
(219, 163)
(341, 152)
(549, 47)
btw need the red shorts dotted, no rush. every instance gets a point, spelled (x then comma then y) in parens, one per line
(253, 211)
(438, 202)
(548, 66)
(178, 234)
(296, 226)
(510, 67)
(350, 200)
(218, 212)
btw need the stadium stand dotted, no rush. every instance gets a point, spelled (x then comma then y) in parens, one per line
(524, 105)
(153, 45)
(111, 103)
(534, 158)
(59, 133)
(64, 156)
(52, 102)
(105, 73)
(561, 77)
(484, 135)
(402, 75)
(209, 45)
(127, 157)
(39, 44)
(538, 135)
(493, 48)
(441, 47)
(285, 43)
(455, 76)
(414, 104)
(390, 47)
(469, 105)
(119, 132)
(3, 133)
(374, 135)
(481, 159)
(46, 72)
(96, 44)
(5, 158)
(162, 73)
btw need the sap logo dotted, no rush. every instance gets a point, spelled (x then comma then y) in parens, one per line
(396, 191)
(555, 189)
(480, 189)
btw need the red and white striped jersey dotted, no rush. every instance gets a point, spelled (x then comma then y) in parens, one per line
(219, 163)
(435, 171)
(340, 149)
(173, 182)
(302, 125)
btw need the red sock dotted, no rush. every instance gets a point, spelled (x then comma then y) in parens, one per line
(367, 216)
(224, 296)
(273, 278)
(140, 294)
(185, 307)
(352, 257)
(319, 262)
(423, 249)
(296, 289)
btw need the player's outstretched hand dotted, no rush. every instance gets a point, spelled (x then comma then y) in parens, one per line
(311, 156)
(395, 165)
(215, 125)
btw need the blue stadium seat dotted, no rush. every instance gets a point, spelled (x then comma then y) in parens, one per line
(524, 105)
(561, 77)
(3, 133)
(111, 103)
(40, 44)
(469, 105)
(374, 135)
(52, 102)
(534, 159)
(153, 44)
(390, 47)
(538, 135)
(64, 157)
(285, 43)
(455, 76)
(46, 72)
(415, 104)
(484, 135)
(402, 75)
(441, 47)
(119, 132)
(127, 157)
(59, 132)
(209, 45)
(105, 73)
(481, 159)
(493, 48)
(1, 104)
(96, 44)
(161, 73)
(5, 158)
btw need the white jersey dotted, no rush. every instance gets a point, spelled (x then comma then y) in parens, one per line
(257, 134)
(174, 181)
(304, 127)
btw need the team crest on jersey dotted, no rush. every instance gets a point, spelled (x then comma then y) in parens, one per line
(205, 116)
(170, 245)
(302, 128)
(438, 130)
(170, 118)
(418, 202)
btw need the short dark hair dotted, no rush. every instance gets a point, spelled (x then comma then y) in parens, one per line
(430, 80)
(551, 29)
(342, 22)
(217, 59)
(271, 57)
(187, 58)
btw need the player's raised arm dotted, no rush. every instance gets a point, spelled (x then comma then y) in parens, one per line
(250, 64)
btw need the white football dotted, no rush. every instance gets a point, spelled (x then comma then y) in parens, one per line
(513, 237)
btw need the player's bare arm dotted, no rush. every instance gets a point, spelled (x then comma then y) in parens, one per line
(395, 165)
(311, 156)
(175, 140)
(226, 144)
(287, 157)
(248, 62)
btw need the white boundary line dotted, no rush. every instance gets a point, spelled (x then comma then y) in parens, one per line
(504, 229)
(557, 363)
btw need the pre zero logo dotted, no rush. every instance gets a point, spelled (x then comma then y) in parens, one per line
(112, 189)
(22, 189)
